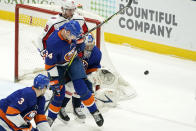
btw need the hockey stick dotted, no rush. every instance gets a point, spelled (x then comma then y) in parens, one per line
(53, 94)
(106, 20)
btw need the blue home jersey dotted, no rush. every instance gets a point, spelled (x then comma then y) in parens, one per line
(59, 51)
(25, 103)
(21, 100)
(94, 60)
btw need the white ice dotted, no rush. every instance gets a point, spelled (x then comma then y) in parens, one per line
(165, 98)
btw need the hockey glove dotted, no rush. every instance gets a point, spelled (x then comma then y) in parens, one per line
(26, 127)
(81, 39)
(54, 85)
(43, 53)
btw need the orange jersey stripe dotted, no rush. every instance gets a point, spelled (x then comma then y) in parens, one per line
(60, 36)
(91, 70)
(89, 101)
(12, 111)
(47, 67)
(3, 116)
(39, 118)
(54, 108)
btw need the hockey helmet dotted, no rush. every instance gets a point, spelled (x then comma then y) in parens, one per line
(74, 27)
(41, 81)
(90, 42)
(67, 4)
(90, 38)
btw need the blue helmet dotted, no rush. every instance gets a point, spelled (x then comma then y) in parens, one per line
(90, 38)
(41, 81)
(74, 27)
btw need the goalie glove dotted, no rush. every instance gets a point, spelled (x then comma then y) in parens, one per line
(106, 76)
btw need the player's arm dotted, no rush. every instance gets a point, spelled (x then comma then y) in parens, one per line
(48, 29)
(18, 105)
(83, 26)
(40, 118)
(94, 65)
(51, 68)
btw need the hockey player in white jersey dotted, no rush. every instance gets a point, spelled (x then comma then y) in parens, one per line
(55, 22)
(68, 8)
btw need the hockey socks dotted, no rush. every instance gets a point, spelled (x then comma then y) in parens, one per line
(56, 104)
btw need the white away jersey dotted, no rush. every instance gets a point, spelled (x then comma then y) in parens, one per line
(54, 23)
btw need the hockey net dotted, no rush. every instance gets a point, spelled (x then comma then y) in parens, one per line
(30, 21)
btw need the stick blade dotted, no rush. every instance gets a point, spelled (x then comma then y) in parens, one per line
(129, 3)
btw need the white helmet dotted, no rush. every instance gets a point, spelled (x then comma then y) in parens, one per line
(67, 4)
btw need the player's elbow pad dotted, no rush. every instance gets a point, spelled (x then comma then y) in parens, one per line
(17, 120)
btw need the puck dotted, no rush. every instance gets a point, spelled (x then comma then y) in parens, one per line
(146, 72)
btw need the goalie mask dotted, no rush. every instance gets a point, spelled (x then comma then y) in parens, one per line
(90, 42)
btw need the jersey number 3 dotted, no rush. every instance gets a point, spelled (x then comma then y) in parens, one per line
(21, 101)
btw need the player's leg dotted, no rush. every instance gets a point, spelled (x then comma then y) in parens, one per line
(62, 113)
(55, 106)
(76, 102)
(57, 101)
(68, 94)
(77, 75)
(77, 108)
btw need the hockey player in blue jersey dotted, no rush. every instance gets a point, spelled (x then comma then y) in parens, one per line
(17, 110)
(61, 47)
(91, 60)
(92, 55)
(68, 12)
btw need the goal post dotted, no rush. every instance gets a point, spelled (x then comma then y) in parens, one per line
(31, 20)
